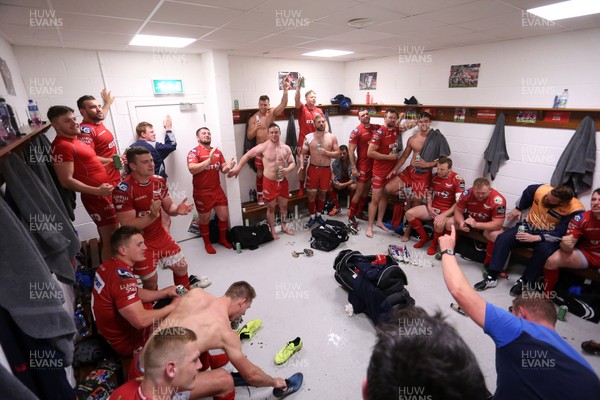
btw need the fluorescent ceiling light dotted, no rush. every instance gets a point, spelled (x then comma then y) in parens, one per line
(328, 53)
(160, 41)
(567, 9)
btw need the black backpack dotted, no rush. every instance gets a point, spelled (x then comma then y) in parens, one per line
(328, 237)
(389, 279)
(250, 237)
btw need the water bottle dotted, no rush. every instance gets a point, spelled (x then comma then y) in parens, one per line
(563, 98)
(7, 129)
(80, 323)
(34, 112)
(251, 195)
(368, 98)
(236, 104)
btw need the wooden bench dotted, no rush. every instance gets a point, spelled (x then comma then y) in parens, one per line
(251, 211)
(524, 254)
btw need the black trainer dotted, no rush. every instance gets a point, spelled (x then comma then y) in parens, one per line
(517, 288)
(487, 283)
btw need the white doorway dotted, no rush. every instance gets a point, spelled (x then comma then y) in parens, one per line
(188, 115)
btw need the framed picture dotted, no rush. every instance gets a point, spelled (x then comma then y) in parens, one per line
(463, 76)
(367, 81)
(290, 77)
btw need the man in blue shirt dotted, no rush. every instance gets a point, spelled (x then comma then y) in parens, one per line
(532, 360)
(158, 150)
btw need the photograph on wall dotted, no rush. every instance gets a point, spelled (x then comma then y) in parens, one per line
(459, 114)
(367, 81)
(527, 117)
(462, 76)
(7, 78)
(290, 77)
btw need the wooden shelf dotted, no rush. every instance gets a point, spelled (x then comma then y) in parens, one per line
(544, 116)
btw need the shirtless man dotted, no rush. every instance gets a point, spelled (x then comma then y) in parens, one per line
(361, 164)
(258, 129)
(321, 146)
(383, 150)
(418, 174)
(305, 114)
(278, 162)
(210, 318)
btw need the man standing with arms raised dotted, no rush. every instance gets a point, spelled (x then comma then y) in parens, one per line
(362, 164)
(321, 146)
(305, 114)
(278, 162)
(96, 135)
(258, 127)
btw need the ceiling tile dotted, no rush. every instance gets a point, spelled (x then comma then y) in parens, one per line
(416, 7)
(234, 35)
(94, 23)
(469, 11)
(410, 25)
(358, 36)
(194, 14)
(244, 5)
(313, 10)
(178, 30)
(136, 9)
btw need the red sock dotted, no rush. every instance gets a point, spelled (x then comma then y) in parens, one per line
(320, 205)
(228, 396)
(223, 234)
(182, 280)
(397, 215)
(218, 361)
(334, 197)
(550, 279)
(204, 231)
(418, 226)
(433, 246)
(352, 209)
(259, 186)
(311, 207)
(361, 204)
(488, 253)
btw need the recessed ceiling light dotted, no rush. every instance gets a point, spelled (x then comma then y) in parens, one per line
(360, 23)
(566, 9)
(328, 53)
(160, 41)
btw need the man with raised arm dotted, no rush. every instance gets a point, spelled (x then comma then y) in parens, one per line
(532, 360)
(278, 161)
(305, 114)
(258, 128)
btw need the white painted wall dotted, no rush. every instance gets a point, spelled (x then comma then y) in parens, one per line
(18, 101)
(527, 72)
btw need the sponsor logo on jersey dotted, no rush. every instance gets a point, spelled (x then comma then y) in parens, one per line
(98, 283)
(123, 186)
(498, 200)
(500, 210)
(577, 218)
(124, 274)
(86, 129)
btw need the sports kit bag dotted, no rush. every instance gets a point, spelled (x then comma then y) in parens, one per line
(328, 236)
(250, 237)
(388, 277)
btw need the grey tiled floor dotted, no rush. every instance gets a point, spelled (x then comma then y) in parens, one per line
(299, 297)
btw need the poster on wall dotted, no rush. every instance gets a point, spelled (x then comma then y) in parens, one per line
(367, 81)
(290, 77)
(459, 114)
(7, 78)
(462, 76)
(527, 117)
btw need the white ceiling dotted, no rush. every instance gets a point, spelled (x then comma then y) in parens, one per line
(277, 28)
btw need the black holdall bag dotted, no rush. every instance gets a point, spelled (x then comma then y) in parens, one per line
(250, 237)
(328, 236)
